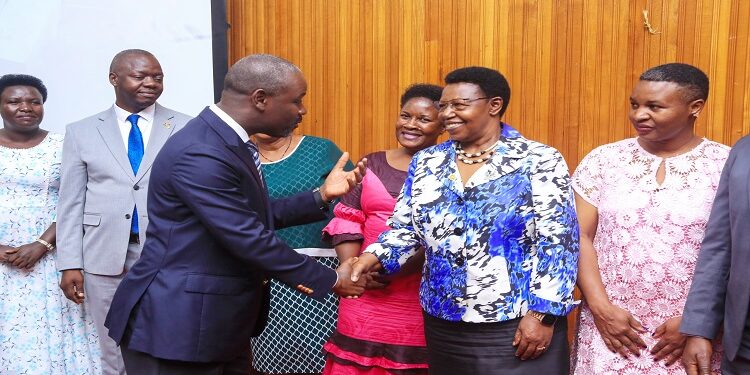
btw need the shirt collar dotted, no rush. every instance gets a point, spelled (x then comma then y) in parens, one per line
(230, 121)
(146, 114)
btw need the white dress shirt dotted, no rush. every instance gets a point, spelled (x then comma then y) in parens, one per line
(145, 123)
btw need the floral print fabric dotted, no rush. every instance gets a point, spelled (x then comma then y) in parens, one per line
(647, 241)
(41, 332)
(505, 243)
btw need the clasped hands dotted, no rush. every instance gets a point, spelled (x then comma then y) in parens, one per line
(358, 274)
(24, 256)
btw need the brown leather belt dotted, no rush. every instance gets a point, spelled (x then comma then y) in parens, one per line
(134, 238)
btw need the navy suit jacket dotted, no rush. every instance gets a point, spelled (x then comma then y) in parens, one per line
(721, 287)
(197, 292)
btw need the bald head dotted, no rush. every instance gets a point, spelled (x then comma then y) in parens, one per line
(261, 71)
(124, 56)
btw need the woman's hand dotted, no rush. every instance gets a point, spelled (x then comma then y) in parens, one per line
(26, 256)
(620, 330)
(3, 252)
(532, 338)
(671, 341)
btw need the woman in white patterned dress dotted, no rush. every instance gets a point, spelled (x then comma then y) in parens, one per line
(642, 208)
(41, 332)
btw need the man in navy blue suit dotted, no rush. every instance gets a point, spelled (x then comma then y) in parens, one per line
(191, 302)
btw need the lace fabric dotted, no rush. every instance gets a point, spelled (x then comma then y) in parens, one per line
(647, 240)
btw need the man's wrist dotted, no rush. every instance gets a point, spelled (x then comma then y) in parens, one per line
(320, 199)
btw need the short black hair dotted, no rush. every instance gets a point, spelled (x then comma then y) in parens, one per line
(23, 80)
(421, 90)
(691, 79)
(492, 82)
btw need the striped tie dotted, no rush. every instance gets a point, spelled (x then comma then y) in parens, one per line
(256, 157)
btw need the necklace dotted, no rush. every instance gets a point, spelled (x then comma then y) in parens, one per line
(282, 155)
(460, 150)
(468, 158)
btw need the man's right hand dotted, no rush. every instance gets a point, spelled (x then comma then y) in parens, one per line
(71, 284)
(345, 287)
(697, 356)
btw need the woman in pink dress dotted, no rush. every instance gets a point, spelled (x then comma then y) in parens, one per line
(382, 332)
(642, 208)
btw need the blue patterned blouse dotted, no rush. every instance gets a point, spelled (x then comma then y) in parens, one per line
(505, 243)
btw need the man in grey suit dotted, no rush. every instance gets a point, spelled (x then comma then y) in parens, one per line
(721, 286)
(106, 162)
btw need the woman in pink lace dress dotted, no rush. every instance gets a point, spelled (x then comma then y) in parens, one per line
(642, 207)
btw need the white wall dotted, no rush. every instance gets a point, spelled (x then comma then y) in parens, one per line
(70, 43)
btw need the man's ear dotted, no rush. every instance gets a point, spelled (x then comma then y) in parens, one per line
(496, 104)
(113, 79)
(259, 98)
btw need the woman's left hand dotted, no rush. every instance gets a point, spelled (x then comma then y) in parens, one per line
(26, 256)
(671, 341)
(532, 338)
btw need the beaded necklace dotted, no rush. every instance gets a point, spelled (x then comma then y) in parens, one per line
(466, 157)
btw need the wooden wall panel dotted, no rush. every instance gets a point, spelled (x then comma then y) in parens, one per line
(571, 63)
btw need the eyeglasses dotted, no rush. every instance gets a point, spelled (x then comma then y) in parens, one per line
(458, 104)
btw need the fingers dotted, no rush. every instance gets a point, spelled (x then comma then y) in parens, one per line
(637, 326)
(704, 364)
(363, 264)
(11, 251)
(522, 346)
(342, 161)
(633, 341)
(673, 357)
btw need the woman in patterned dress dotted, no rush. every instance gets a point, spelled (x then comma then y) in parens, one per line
(495, 215)
(297, 325)
(642, 205)
(41, 332)
(382, 332)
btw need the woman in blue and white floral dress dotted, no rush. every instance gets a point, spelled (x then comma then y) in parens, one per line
(495, 214)
(41, 332)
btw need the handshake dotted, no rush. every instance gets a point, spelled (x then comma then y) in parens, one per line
(357, 274)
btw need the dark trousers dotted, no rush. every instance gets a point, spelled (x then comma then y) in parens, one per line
(458, 348)
(145, 364)
(740, 366)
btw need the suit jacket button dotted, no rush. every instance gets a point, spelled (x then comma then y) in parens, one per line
(127, 216)
(136, 187)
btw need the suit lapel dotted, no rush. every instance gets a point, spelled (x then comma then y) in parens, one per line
(239, 149)
(161, 129)
(110, 133)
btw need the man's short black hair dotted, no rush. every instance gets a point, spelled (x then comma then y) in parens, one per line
(693, 81)
(23, 80)
(422, 90)
(492, 83)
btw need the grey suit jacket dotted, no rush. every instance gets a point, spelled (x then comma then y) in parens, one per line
(98, 190)
(721, 285)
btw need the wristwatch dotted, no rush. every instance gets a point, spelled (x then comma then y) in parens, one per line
(546, 319)
(322, 205)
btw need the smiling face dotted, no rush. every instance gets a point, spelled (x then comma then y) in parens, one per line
(660, 113)
(417, 126)
(22, 108)
(467, 114)
(138, 81)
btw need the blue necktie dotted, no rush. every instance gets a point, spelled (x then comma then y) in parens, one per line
(135, 155)
(256, 157)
